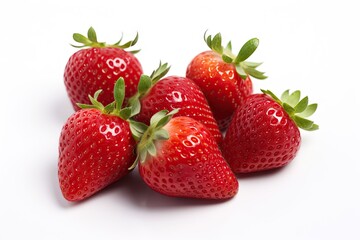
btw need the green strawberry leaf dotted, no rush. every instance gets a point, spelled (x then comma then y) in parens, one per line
(129, 43)
(81, 39)
(313, 127)
(289, 109)
(302, 105)
(226, 58)
(310, 110)
(227, 55)
(160, 72)
(135, 107)
(92, 35)
(253, 64)
(161, 134)
(247, 50)
(119, 93)
(285, 95)
(84, 106)
(109, 108)
(151, 148)
(97, 93)
(294, 98)
(157, 117)
(125, 113)
(144, 84)
(139, 126)
(137, 129)
(216, 43)
(255, 73)
(95, 102)
(143, 155)
(136, 135)
(272, 95)
(208, 40)
(229, 46)
(240, 71)
(163, 121)
(303, 122)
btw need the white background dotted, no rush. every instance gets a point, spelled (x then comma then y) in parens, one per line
(308, 45)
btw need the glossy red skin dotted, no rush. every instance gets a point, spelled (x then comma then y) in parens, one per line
(95, 150)
(261, 136)
(178, 92)
(91, 69)
(189, 164)
(224, 89)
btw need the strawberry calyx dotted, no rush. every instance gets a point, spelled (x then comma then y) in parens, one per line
(115, 108)
(145, 84)
(151, 134)
(243, 68)
(298, 108)
(91, 41)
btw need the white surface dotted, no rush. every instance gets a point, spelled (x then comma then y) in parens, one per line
(307, 45)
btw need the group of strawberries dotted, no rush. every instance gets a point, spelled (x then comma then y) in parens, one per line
(171, 128)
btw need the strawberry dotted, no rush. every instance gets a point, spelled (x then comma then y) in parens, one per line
(223, 77)
(96, 147)
(264, 132)
(169, 93)
(98, 66)
(179, 157)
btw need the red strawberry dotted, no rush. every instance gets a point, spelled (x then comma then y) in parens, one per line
(171, 93)
(180, 157)
(224, 77)
(264, 133)
(98, 67)
(96, 148)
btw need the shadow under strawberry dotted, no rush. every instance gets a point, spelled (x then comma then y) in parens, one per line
(260, 174)
(134, 189)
